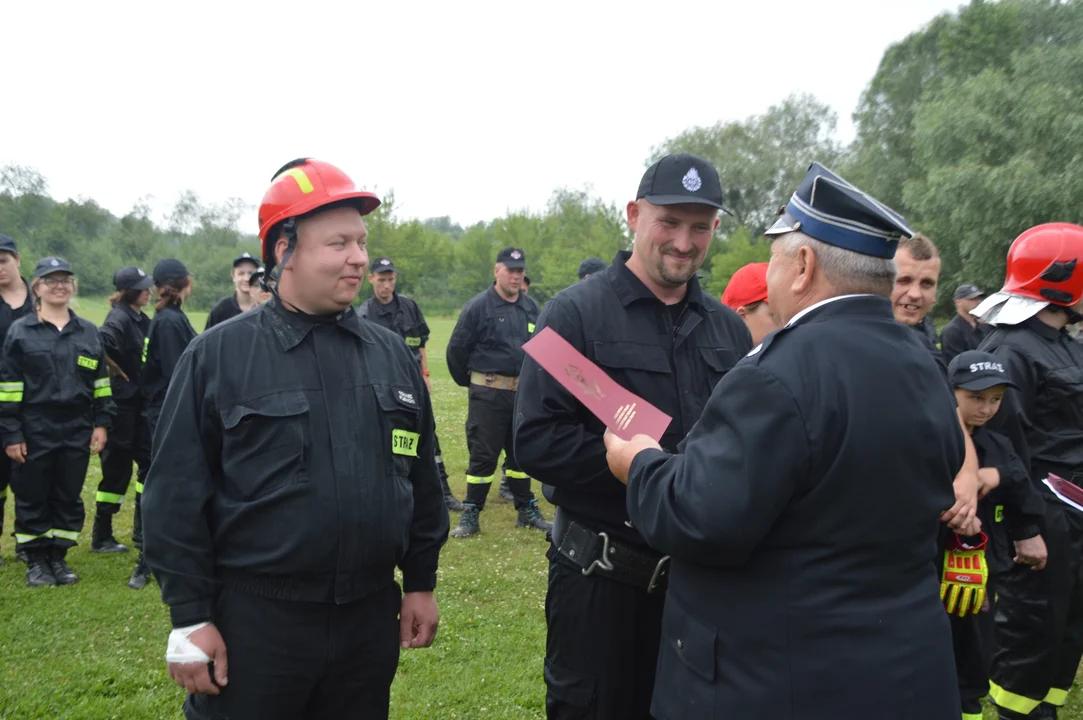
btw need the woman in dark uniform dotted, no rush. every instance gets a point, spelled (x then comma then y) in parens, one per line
(169, 334)
(123, 334)
(55, 408)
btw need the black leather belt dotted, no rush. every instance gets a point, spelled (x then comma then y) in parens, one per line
(595, 553)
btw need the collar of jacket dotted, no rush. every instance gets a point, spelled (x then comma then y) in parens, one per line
(630, 288)
(292, 327)
(1043, 330)
(861, 306)
(131, 312)
(35, 319)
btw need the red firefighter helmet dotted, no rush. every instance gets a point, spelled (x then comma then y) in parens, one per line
(1044, 264)
(301, 186)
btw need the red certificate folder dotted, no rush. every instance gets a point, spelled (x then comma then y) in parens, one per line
(622, 412)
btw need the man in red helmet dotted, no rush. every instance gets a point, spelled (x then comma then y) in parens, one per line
(293, 470)
(746, 295)
(1039, 615)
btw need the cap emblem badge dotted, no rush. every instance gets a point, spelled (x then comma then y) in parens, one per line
(385, 261)
(515, 254)
(691, 180)
(141, 273)
(54, 262)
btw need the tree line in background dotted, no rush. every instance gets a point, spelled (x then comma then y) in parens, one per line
(972, 127)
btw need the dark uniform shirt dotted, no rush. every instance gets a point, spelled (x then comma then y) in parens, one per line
(9, 315)
(223, 310)
(1044, 417)
(124, 333)
(802, 520)
(671, 356)
(401, 316)
(169, 334)
(489, 336)
(294, 460)
(958, 336)
(1013, 510)
(54, 389)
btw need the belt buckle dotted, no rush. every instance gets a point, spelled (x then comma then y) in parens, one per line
(659, 573)
(603, 561)
(490, 378)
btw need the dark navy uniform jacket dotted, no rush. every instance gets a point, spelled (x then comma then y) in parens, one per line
(802, 518)
(168, 336)
(674, 364)
(489, 336)
(124, 334)
(1044, 417)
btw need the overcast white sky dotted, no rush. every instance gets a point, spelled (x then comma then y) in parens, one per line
(466, 108)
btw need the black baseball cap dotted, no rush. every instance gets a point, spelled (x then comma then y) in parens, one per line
(50, 265)
(591, 266)
(683, 178)
(512, 258)
(382, 265)
(131, 278)
(977, 370)
(967, 291)
(245, 257)
(7, 244)
(169, 269)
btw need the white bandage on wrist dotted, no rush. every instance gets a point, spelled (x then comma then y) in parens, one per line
(179, 649)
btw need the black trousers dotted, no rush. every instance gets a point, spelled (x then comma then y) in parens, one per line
(5, 480)
(129, 442)
(601, 647)
(489, 429)
(304, 661)
(1038, 633)
(972, 642)
(48, 508)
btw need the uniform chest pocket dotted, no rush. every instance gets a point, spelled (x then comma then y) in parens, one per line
(631, 356)
(718, 361)
(402, 437)
(39, 364)
(1065, 386)
(265, 443)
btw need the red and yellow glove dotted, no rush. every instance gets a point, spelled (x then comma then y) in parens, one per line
(962, 586)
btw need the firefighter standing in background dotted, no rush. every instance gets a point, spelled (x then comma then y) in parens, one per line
(168, 336)
(123, 334)
(1039, 618)
(55, 410)
(746, 294)
(16, 300)
(401, 315)
(242, 298)
(485, 354)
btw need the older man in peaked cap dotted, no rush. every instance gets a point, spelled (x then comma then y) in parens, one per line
(801, 513)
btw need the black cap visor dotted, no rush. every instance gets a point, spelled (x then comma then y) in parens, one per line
(681, 200)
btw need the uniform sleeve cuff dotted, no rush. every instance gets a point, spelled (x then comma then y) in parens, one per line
(191, 613)
(1025, 532)
(13, 439)
(418, 581)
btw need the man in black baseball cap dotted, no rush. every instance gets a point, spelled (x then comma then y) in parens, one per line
(590, 266)
(648, 323)
(964, 331)
(242, 298)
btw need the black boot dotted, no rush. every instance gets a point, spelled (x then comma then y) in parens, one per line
(450, 501)
(505, 491)
(530, 517)
(141, 574)
(102, 540)
(59, 567)
(1045, 711)
(38, 573)
(469, 524)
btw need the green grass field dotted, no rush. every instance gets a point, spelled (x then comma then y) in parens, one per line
(95, 650)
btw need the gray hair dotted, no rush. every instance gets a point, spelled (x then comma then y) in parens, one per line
(850, 272)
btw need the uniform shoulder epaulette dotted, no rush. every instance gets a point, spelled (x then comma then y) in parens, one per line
(760, 350)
